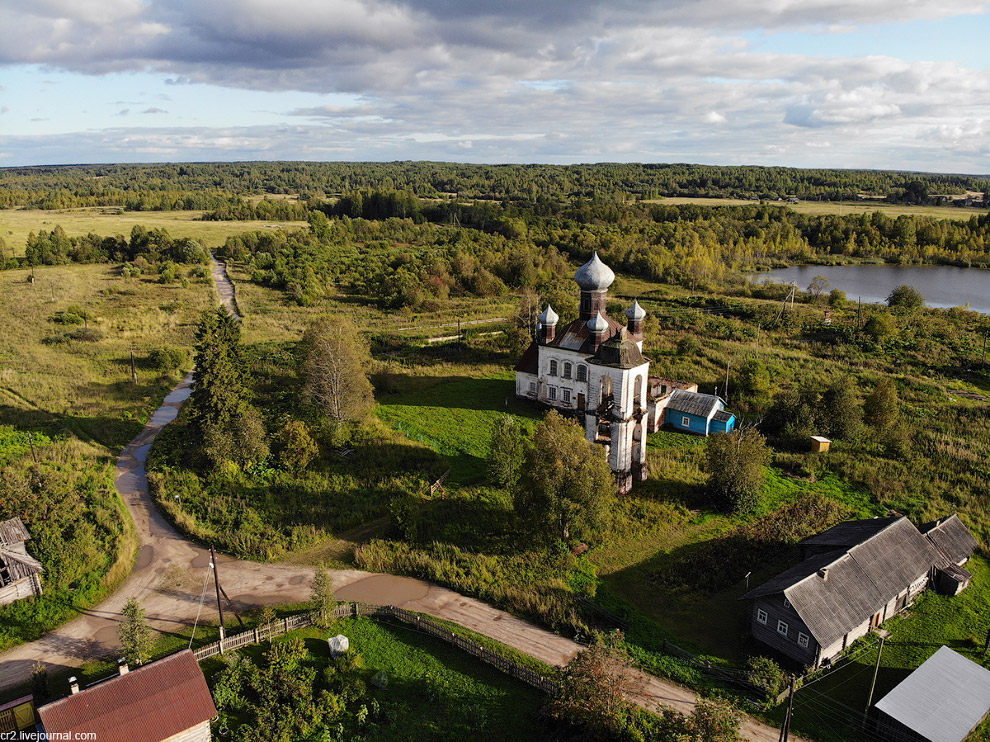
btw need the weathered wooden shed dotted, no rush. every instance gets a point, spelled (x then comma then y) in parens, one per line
(953, 545)
(942, 701)
(163, 700)
(19, 571)
(820, 444)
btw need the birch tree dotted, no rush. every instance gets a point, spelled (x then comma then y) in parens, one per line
(334, 367)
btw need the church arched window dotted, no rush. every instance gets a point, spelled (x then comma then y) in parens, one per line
(567, 370)
(582, 373)
(553, 368)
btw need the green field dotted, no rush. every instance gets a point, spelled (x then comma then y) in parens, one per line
(17, 224)
(841, 208)
(434, 691)
(75, 390)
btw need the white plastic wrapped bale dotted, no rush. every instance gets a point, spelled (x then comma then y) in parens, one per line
(338, 645)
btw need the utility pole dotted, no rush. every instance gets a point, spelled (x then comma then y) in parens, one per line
(133, 368)
(983, 360)
(727, 382)
(785, 730)
(460, 345)
(869, 699)
(761, 325)
(859, 321)
(34, 454)
(216, 584)
(52, 284)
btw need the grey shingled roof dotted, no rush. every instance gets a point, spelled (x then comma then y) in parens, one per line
(13, 555)
(849, 533)
(943, 700)
(13, 532)
(861, 579)
(951, 540)
(693, 403)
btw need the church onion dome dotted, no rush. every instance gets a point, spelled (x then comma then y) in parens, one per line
(635, 312)
(549, 317)
(597, 324)
(594, 275)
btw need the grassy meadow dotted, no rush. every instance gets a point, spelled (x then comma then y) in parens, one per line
(840, 208)
(17, 224)
(67, 384)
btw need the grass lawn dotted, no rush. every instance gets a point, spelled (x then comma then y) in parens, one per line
(17, 224)
(434, 691)
(455, 417)
(841, 208)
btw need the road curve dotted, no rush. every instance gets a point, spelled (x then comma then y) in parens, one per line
(171, 571)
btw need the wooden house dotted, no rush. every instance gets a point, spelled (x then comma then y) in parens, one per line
(19, 571)
(163, 701)
(703, 414)
(953, 546)
(853, 577)
(944, 700)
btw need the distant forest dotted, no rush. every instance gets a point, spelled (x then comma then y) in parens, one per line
(221, 186)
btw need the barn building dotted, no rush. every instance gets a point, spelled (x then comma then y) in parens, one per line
(163, 701)
(19, 571)
(853, 577)
(594, 368)
(944, 700)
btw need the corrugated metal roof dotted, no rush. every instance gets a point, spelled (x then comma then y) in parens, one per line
(151, 704)
(952, 541)
(13, 532)
(693, 403)
(575, 335)
(860, 579)
(943, 699)
(530, 361)
(722, 416)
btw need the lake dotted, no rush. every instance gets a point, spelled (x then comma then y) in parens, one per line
(942, 285)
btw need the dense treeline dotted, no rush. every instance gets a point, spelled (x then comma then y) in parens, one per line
(403, 251)
(209, 185)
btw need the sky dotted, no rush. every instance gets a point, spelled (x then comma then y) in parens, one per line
(889, 84)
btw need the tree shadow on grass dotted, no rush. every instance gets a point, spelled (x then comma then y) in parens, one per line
(112, 432)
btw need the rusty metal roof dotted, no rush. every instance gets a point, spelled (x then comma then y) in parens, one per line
(151, 704)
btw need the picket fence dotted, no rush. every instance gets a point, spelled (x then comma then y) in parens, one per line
(423, 624)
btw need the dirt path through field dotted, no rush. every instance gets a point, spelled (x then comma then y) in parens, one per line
(171, 575)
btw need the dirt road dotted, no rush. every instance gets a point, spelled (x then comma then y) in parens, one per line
(171, 573)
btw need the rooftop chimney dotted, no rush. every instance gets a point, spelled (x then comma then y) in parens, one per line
(823, 573)
(122, 667)
(73, 685)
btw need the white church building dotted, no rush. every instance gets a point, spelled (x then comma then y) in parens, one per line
(594, 367)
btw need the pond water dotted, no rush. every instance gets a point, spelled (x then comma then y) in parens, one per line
(942, 285)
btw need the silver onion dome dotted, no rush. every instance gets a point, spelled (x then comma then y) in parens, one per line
(594, 275)
(548, 317)
(635, 312)
(597, 324)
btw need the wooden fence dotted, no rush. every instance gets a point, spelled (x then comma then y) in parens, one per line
(423, 624)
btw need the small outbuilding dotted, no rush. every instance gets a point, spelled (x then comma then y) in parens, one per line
(953, 545)
(820, 444)
(944, 700)
(698, 413)
(19, 571)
